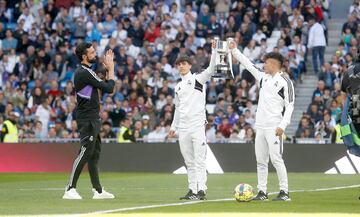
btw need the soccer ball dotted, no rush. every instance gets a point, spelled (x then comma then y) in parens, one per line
(243, 192)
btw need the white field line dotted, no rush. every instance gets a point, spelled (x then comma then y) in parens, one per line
(194, 202)
(41, 189)
(220, 214)
(319, 189)
(62, 189)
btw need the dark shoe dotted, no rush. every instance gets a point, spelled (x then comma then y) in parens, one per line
(282, 196)
(261, 196)
(189, 196)
(201, 195)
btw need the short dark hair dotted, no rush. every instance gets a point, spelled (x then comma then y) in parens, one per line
(276, 56)
(183, 58)
(81, 49)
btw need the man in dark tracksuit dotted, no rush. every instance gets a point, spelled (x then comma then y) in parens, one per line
(87, 85)
(350, 84)
(350, 87)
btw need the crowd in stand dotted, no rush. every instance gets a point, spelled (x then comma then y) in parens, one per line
(37, 61)
(324, 111)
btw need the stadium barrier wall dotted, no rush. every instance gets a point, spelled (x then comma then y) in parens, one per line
(161, 157)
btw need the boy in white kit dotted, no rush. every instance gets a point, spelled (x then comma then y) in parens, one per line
(189, 123)
(275, 106)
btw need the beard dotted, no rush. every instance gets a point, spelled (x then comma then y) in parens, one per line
(92, 61)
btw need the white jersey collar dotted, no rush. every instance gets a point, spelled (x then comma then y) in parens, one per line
(187, 76)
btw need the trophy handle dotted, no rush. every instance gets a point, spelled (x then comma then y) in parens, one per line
(230, 73)
(228, 40)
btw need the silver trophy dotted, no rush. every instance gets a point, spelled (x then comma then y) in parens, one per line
(223, 59)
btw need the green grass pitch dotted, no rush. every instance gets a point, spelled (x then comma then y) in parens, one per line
(40, 194)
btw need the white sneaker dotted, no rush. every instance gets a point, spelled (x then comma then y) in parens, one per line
(71, 194)
(104, 195)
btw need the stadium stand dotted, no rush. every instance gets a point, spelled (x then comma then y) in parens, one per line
(323, 111)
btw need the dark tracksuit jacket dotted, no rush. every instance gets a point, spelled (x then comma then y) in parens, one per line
(87, 84)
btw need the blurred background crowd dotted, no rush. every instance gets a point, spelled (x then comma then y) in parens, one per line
(37, 62)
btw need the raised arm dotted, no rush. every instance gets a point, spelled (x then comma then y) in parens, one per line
(255, 71)
(205, 76)
(93, 80)
(108, 85)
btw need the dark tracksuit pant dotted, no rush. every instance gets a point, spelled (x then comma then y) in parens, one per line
(89, 152)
